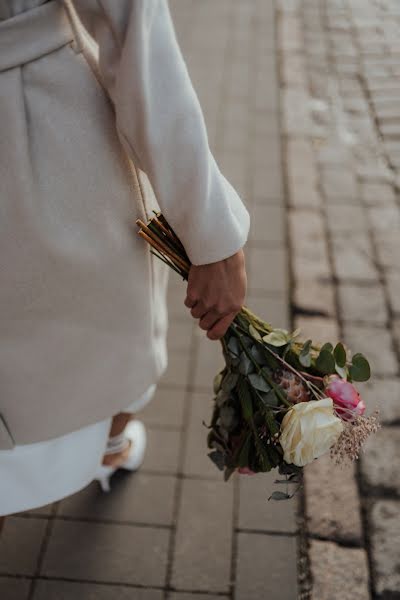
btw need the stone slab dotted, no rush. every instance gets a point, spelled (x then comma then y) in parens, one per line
(66, 590)
(20, 543)
(379, 464)
(385, 547)
(107, 553)
(337, 570)
(12, 588)
(165, 409)
(362, 303)
(202, 557)
(376, 344)
(266, 567)
(162, 452)
(257, 513)
(383, 395)
(134, 498)
(333, 505)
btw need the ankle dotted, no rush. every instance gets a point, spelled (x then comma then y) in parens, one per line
(114, 459)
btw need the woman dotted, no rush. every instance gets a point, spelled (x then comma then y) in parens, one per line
(96, 105)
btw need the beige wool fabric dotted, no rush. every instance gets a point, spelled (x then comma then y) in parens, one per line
(91, 110)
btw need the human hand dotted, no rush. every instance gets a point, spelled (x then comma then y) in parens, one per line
(216, 292)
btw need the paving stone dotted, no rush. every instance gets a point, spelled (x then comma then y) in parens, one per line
(393, 288)
(135, 497)
(328, 487)
(382, 395)
(66, 590)
(353, 258)
(196, 461)
(257, 513)
(179, 336)
(308, 239)
(209, 360)
(162, 452)
(206, 512)
(188, 596)
(378, 194)
(14, 589)
(165, 409)
(302, 174)
(267, 224)
(20, 543)
(314, 297)
(377, 346)
(385, 219)
(329, 564)
(388, 249)
(339, 186)
(265, 564)
(272, 308)
(379, 461)
(319, 329)
(362, 303)
(107, 553)
(267, 270)
(385, 547)
(177, 373)
(346, 219)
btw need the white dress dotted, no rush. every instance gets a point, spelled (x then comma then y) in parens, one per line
(36, 474)
(160, 119)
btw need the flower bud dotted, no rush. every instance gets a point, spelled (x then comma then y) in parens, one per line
(345, 397)
(245, 471)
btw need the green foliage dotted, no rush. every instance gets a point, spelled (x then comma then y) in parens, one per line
(339, 354)
(325, 362)
(277, 337)
(305, 354)
(359, 368)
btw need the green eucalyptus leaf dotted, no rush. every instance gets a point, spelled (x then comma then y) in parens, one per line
(279, 496)
(245, 365)
(341, 371)
(340, 355)
(218, 459)
(258, 382)
(217, 382)
(325, 362)
(254, 333)
(258, 354)
(360, 369)
(229, 382)
(244, 453)
(245, 400)
(228, 472)
(234, 346)
(328, 346)
(305, 355)
(222, 397)
(228, 418)
(277, 337)
(270, 399)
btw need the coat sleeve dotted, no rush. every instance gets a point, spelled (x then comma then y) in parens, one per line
(159, 116)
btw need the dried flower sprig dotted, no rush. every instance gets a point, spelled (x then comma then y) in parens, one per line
(354, 435)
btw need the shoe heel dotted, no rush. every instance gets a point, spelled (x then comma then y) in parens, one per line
(103, 477)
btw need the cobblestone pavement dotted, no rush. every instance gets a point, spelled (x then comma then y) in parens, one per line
(340, 84)
(175, 531)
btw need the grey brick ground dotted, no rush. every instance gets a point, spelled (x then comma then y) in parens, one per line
(176, 531)
(339, 62)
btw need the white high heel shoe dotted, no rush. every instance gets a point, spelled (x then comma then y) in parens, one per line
(135, 431)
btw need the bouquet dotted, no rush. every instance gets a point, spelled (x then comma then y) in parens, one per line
(279, 402)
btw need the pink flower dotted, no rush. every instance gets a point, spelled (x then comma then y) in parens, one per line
(345, 397)
(245, 471)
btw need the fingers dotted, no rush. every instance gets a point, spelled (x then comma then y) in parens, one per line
(209, 320)
(219, 329)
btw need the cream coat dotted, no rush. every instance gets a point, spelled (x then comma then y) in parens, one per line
(93, 95)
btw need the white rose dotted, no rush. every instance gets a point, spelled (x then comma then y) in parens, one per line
(308, 430)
